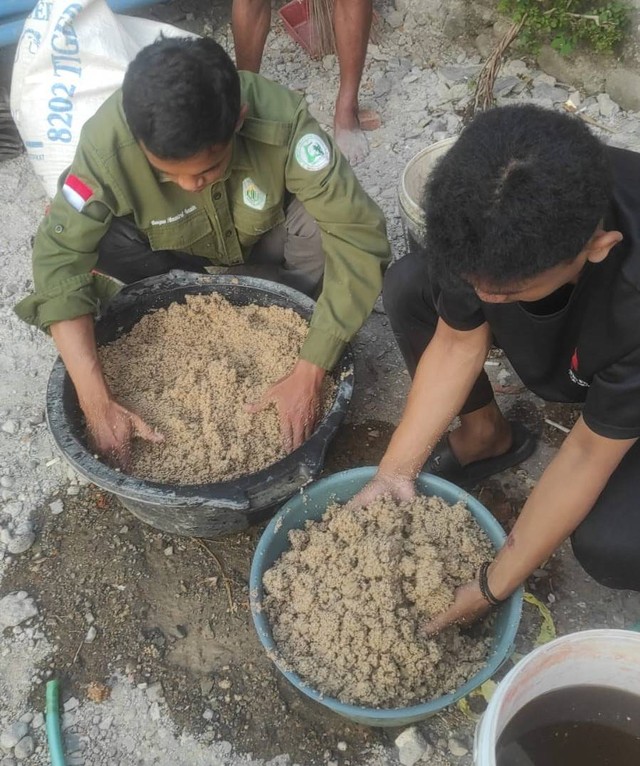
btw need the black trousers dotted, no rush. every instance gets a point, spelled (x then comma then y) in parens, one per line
(607, 543)
(290, 253)
(125, 253)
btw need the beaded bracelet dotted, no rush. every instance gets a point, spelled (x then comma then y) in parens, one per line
(483, 581)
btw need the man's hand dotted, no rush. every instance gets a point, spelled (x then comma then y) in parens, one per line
(111, 426)
(111, 429)
(297, 397)
(468, 606)
(400, 488)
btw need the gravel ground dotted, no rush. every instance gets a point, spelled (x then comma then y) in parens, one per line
(92, 596)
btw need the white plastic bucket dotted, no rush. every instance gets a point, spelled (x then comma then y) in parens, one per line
(412, 182)
(608, 658)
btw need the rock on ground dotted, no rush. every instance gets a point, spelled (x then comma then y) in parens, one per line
(11, 736)
(18, 538)
(456, 748)
(623, 85)
(15, 608)
(24, 748)
(411, 746)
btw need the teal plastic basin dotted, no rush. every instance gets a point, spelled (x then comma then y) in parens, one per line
(311, 503)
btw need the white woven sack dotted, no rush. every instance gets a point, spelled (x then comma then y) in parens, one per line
(70, 58)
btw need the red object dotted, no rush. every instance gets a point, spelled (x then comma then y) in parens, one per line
(79, 187)
(295, 17)
(574, 361)
(76, 192)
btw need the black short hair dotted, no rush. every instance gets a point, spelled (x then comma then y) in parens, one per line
(522, 190)
(180, 96)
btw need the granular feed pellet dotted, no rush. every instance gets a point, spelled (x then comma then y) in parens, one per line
(347, 602)
(189, 371)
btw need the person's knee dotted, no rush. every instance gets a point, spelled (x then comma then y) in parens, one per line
(298, 242)
(612, 560)
(403, 285)
(303, 237)
(300, 223)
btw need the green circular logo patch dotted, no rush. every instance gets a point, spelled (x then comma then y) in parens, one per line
(312, 153)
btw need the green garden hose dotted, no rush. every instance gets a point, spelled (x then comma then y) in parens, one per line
(54, 735)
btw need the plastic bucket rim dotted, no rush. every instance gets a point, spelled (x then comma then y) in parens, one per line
(186, 491)
(133, 488)
(371, 715)
(407, 203)
(486, 732)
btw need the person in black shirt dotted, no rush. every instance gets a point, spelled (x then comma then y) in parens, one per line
(533, 244)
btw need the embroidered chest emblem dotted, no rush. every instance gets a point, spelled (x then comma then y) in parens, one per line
(252, 195)
(573, 371)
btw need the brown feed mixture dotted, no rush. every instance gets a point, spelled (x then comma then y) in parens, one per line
(190, 370)
(348, 600)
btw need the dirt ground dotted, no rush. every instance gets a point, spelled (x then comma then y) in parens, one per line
(175, 611)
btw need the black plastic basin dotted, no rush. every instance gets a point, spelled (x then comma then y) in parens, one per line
(195, 510)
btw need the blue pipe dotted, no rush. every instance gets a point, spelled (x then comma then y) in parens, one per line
(16, 7)
(54, 735)
(11, 30)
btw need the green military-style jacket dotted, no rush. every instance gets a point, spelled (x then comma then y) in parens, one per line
(280, 149)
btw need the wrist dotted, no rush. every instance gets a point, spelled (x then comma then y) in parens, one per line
(94, 399)
(310, 370)
(390, 469)
(482, 579)
(499, 583)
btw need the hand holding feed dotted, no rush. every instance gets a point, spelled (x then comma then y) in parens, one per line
(298, 398)
(468, 606)
(400, 488)
(112, 428)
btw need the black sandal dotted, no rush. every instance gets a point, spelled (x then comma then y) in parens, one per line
(445, 464)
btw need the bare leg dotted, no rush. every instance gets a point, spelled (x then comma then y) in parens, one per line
(351, 23)
(250, 22)
(482, 434)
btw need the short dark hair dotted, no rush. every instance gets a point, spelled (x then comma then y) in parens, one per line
(180, 96)
(522, 190)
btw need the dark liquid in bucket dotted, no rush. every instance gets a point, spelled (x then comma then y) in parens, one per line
(576, 726)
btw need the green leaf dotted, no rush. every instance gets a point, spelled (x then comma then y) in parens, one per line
(569, 22)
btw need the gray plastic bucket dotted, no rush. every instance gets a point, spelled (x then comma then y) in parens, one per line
(411, 187)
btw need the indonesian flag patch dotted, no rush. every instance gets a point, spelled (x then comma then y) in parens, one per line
(76, 192)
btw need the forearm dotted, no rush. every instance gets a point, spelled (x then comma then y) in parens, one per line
(347, 298)
(566, 492)
(444, 378)
(75, 340)
(354, 241)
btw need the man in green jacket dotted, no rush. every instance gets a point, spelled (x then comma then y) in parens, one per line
(191, 165)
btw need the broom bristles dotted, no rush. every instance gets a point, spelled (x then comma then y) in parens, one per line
(323, 39)
(322, 34)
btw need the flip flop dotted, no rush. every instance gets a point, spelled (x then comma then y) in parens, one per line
(445, 464)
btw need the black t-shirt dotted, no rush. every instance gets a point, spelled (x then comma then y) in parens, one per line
(582, 344)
